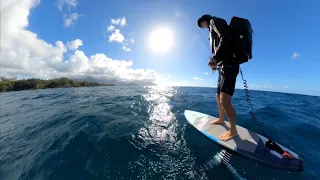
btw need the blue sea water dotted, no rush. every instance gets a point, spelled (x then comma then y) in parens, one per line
(141, 133)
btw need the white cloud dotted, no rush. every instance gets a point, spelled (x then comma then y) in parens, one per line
(125, 44)
(14, 11)
(261, 87)
(120, 21)
(295, 55)
(111, 28)
(74, 45)
(126, 49)
(269, 87)
(169, 76)
(23, 53)
(71, 19)
(78, 62)
(206, 73)
(68, 3)
(116, 36)
(198, 79)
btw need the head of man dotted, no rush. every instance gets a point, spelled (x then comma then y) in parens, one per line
(203, 21)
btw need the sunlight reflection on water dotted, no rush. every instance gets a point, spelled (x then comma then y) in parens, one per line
(161, 126)
(162, 137)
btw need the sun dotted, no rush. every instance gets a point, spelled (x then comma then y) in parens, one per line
(161, 40)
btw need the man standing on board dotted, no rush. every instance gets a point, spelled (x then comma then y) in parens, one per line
(221, 43)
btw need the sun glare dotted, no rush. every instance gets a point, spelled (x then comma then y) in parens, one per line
(161, 40)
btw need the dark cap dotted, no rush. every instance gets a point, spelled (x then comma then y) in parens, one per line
(205, 17)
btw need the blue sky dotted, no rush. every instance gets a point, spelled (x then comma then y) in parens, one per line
(285, 52)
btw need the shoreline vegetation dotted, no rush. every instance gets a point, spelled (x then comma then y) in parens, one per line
(12, 84)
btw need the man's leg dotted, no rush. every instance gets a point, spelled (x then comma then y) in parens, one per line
(225, 100)
(221, 112)
(228, 82)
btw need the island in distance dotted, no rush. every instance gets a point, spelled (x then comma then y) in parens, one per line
(12, 84)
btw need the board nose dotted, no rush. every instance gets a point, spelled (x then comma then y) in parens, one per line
(190, 115)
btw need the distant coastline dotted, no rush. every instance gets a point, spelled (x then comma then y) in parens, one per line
(11, 84)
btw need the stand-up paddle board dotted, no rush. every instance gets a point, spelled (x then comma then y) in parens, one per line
(247, 143)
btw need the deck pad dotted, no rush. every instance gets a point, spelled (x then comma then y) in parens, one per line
(245, 140)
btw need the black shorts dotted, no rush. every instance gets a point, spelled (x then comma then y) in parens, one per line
(227, 79)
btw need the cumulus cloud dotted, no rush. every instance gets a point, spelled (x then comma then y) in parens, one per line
(269, 87)
(126, 42)
(295, 55)
(198, 79)
(126, 49)
(71, 19)
(24, 54)
(120, 21)
(68, 18)
(116, 36)
(68, 3)
(78, 63)
(261, 87)
(74, 45)
(111, 28)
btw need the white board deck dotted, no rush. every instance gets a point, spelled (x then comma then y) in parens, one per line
(245, 140)
(247, 143)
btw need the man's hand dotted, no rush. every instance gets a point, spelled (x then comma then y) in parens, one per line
(212, 63)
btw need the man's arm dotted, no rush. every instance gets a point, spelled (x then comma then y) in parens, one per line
(221, 27)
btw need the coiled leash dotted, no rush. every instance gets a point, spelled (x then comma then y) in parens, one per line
(270, 143)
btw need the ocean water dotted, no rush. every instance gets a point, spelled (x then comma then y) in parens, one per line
(141, 133)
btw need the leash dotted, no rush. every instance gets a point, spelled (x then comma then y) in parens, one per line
(270, 143)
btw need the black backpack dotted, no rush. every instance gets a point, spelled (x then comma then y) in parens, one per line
(242, 39)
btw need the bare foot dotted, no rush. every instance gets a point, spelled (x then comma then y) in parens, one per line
(219, 121)
(228, 135)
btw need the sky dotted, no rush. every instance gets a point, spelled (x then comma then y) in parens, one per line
(159, 41)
